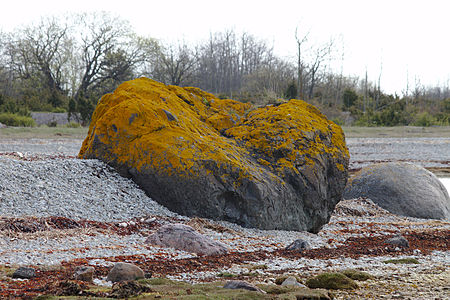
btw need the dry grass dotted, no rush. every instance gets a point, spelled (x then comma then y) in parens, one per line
(398, 131)
(43, 132)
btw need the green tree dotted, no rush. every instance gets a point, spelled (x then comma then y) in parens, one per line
(349, 97)
(291, 91)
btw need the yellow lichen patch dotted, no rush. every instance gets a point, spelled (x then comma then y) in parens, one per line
(178, 130)
(231, 106)
(145, 123)
(290, 134)
(221, 121)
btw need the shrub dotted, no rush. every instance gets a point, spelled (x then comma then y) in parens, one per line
(15, 120)
(425, 119)
(59, 110)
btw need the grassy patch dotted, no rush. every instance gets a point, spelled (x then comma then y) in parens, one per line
(396, 131)
(332, 281)
(43, 132)
(357, 275)
(409, 260)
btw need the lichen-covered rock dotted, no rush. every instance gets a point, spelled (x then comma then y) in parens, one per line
(276, 167)
(401, 188)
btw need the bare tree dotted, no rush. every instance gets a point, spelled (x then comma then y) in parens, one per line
(41, 50)
(320, 54)
(300, 66)
(174, 64)
(100, 36)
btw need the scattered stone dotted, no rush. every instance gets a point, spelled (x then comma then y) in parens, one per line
(313, 294)
(84, 273)
(126, 289)
(398, 240)
(359, 207)
(292, 281)
(274, 167)
(24, 273)
(357, 275)
(403, 189)
(408, 260)
(183, 237)
(332, 281)
(298, 245)
(124, 272)
(238, 284)
(68, 288)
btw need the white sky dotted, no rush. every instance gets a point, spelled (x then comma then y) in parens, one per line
(408, 37)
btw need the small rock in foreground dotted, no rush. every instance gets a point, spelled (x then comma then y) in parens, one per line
(84, 273)
(298, 245)
(399, 241)
(183, 237)
(124, 272)
(237, 284)
(24, 273)
(292, 281)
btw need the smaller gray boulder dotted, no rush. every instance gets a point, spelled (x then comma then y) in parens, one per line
(403, 189)
(398, 240)
(292, 281)
(298, 245)
(183, 237)
(124, 271)
(24, 273)
(84, 273)
(238, 284)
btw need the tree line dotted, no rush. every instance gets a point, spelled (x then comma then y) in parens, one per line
(67, 64)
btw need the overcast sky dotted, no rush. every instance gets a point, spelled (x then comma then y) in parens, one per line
(400, 37)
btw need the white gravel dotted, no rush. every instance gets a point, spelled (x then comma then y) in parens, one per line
(72, 188)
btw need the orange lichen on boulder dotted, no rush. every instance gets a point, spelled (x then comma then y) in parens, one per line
(273, 167)
(146, 115)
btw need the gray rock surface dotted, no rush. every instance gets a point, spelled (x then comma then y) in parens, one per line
(84, 273)
(292, 281)
(125, 271)
(183, 237)
(401, 188)
(398, 240)
(238, 284)
(24, 273)
(298, 245)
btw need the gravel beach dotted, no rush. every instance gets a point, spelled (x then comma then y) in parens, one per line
(44, 189)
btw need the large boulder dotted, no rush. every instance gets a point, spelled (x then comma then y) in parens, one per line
(274, 167)
(403, 189)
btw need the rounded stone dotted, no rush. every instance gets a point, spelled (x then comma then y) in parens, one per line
(125, 271)
(401, 188)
